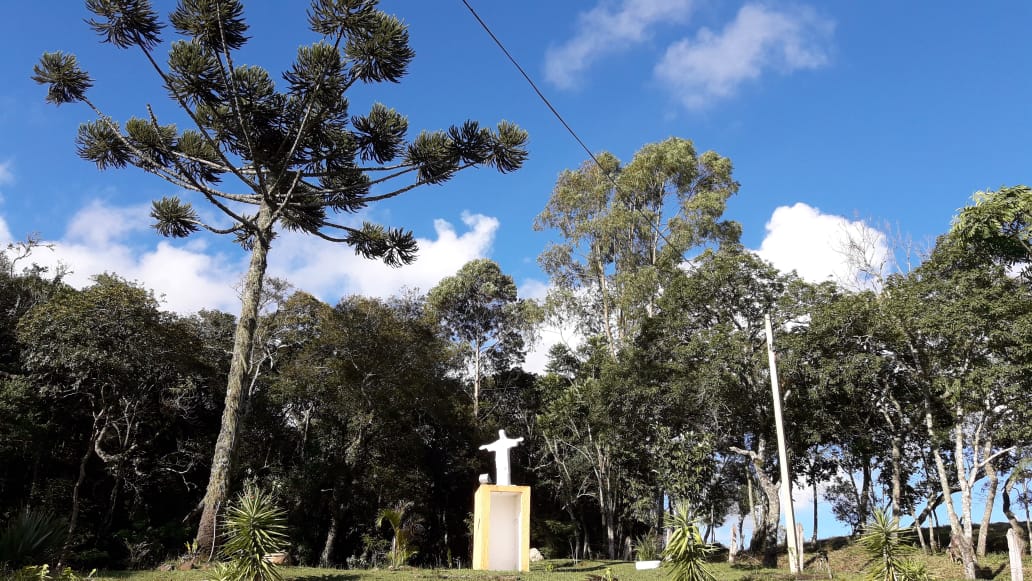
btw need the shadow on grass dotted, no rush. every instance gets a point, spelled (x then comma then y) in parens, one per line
(582, 567)
(323, 577)
(987, 572)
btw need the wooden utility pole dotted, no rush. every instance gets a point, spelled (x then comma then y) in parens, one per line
(794, 562)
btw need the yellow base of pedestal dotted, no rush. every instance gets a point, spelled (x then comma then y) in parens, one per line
(501, 528)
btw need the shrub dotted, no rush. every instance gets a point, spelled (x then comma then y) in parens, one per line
(402, 548)
(253, 528)
(43, 573)
(33, 536)
(883, 542)
(646, 547)
(686, 551)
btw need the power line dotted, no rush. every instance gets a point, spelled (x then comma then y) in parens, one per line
(536, 89)
(555, 112)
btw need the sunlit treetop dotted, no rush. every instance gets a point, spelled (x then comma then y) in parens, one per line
(268, 152)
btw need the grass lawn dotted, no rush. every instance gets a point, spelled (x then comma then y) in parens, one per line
(848, 563)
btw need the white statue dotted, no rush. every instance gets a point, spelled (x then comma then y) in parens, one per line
(501, 447)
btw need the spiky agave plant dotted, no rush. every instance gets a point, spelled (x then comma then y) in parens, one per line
(686, 552)
(33, 536)
(883, 540)
(254, 526)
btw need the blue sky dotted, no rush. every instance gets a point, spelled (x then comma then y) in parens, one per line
(838, 116)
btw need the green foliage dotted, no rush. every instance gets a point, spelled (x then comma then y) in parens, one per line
(479, 309)
(43, 573)
(686, 553)
(254, 527)
(883, 540)
(32, 536)
(402, 548)
(999, 223)
(646, 547)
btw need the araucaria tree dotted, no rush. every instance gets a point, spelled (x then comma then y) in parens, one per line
(270, 156)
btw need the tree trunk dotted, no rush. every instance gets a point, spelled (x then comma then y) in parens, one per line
(73, 518)
(732, 546)
(863, 507)
(243, 340)
(960, 534)
(990, 500)
(752, 511)
(933, 537)
(1015, 524)
(770, 525)
(920, 535)
(325, 558)
(585, 542)
(813, 537)
(741, 532)
(765, 530)
(476, 382)
(1028, 518)
(897, 475)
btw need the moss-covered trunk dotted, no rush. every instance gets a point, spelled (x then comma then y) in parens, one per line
(243, 340)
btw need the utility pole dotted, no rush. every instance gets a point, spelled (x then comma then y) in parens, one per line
(794, 564)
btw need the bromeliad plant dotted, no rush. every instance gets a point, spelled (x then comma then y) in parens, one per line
(686, 552)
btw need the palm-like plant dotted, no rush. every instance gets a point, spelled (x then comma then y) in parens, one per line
(32, 536)
(254, 527)
(401, 544)
(883, 541)
(686, 552)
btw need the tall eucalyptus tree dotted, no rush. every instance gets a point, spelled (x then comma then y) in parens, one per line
(624, 231)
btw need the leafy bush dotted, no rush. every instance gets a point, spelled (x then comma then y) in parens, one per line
(646, 547)
(33, 536)
(253, 528)
(686, 551)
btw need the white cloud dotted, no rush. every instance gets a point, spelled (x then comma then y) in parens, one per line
(188, 276)
(98, 224)
(191, 275)
(5, 233)
(6, 173)
(713, 65)
(606, 29)
(6, 176)
(331, 271)
(822, 247)
(552, 332)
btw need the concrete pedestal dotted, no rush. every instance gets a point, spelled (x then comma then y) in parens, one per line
(501, 528)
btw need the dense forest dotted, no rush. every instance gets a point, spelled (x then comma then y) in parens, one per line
(895, 394)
